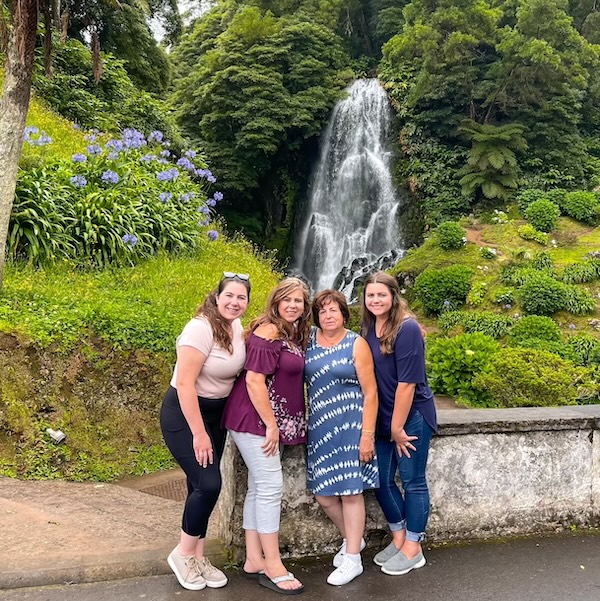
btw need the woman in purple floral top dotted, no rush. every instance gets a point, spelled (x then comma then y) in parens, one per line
(266, 410)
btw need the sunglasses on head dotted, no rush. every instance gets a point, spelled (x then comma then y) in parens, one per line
(229, 275)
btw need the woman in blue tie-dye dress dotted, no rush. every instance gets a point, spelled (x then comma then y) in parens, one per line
(342, 410)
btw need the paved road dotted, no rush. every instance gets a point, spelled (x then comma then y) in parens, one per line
(541, 569)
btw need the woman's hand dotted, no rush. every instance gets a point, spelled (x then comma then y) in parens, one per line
(271, 444)
(403, 442)
(366, 448)
(203, 449)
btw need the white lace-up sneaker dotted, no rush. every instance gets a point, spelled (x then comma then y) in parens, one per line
(347, 572)
(186, 570)
(339, 556)
(214, 577)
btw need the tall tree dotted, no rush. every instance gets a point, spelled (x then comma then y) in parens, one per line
(14, 104)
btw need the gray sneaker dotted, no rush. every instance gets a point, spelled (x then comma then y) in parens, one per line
(214, 577)
(338, 558)
(400, 564)
(386, 554)
(186, 570)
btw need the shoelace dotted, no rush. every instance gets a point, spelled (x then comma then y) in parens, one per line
(194, 568)
(205, 566)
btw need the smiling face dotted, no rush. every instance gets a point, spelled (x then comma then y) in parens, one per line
(232, 301)
(291, 306)
(331, 319)
(378, 300)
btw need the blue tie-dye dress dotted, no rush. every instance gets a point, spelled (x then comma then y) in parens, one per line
(335, 412)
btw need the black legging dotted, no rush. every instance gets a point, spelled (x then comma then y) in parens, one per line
(203, 483)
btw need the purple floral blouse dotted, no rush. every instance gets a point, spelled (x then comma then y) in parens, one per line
(283, 364)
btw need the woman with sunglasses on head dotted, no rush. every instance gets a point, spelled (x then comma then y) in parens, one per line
(405, 423)
(265, 411)
(210, 354)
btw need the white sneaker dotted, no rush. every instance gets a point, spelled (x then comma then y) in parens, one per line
(186, 570)
(214, 577)
(339, 556)
(347, 572)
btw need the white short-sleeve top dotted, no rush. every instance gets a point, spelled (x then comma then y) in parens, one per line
(220, 369)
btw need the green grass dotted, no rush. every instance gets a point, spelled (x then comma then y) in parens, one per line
(141, 307)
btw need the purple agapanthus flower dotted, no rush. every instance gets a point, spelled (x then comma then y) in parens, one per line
(132, 138)
(211, 178)
(211, 202)
(204, 209)
(148, 157)
(44, 139)
(185, 163)
(79, 157)
(212, 235)
(94, 149)
(130, 239)
(165, 196)
(90, 137)
(218, 196)
(165, 153)
(168, 175)
(201, 172)
(156, 136)
(79, 181)
(115, 145)
(190, 154)
(110, 177)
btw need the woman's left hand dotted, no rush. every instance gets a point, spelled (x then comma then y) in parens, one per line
(366, 448)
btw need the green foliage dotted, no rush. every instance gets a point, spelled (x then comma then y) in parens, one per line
(543, 262)
(517, 274)
(487, 252)
(543, 295)
(537, 378)
(443, 289)
(492, 164)
(585, 348)
(504, 296)
(477, 294)
(493, 325)
(111, 105)
(550, 346)
(527, 196)
(116, 205)
(534, 326)
(453, 363)
(450, 235)
(528, 232)
(579, 301)
(581, 273)
(582, 206)
(543, 215)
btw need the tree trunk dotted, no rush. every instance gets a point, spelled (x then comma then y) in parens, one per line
(13, 108)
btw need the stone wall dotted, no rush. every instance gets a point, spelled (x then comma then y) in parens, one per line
(492, 472)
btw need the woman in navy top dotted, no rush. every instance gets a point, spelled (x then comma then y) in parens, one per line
(405, 421)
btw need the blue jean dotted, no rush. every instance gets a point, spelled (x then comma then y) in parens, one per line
(410, 510)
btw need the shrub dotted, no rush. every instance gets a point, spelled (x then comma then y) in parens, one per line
(585, 348)
(487, 252)
(505, 296)
(551, 346)
(114, 204)
(453, 363)
(581, 273)
(557, 196)
(543, 215)
(491, 324)
(581, 206)
(543, 262)
(477, 294)
(520, 377)
(528, 196)
(450, 235)
(517, 274)
(443, 289)
(534, 326)
(543, 295)
(528, 232)
(579, 301)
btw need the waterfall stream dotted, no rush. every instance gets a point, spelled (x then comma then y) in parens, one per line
(351, 226)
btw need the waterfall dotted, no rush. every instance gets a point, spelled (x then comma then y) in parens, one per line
(351, 225)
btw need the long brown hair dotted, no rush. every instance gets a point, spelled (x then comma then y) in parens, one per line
(298, 332)
(398, 312)
(220, 326)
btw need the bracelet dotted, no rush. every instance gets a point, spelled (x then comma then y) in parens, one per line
(372, 432)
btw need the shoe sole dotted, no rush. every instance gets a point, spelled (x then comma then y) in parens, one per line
(184, 584)
(419, 564)
(347, 581)
(217, 584)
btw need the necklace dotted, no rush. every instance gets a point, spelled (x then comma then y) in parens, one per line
(333, 340)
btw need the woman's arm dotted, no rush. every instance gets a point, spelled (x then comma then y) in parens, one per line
(403, 400)
(365, 370)
(256, 384)
(189, 366)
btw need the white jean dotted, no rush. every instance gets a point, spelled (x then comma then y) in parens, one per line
(262, 507)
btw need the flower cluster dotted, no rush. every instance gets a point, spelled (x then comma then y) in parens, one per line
(40, 139)
(499, 217)
(130, 239)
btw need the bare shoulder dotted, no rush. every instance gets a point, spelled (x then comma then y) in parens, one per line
(268, 331)
(362, 350)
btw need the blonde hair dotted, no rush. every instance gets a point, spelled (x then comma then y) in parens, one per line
(220, 326)
(398, 312)
(298, 332)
